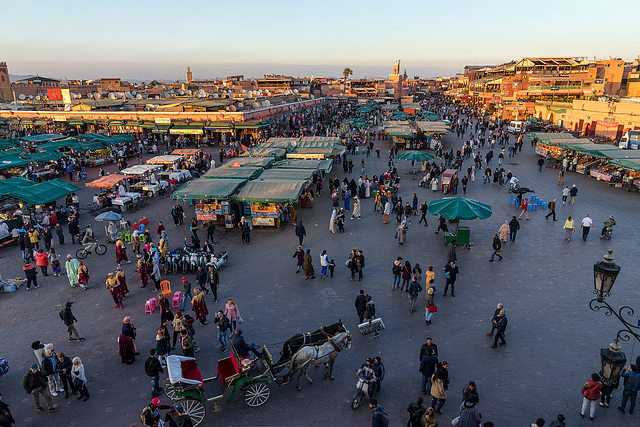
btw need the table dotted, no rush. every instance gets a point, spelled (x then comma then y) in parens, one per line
(124, 202)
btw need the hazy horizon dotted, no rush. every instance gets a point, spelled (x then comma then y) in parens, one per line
(144, 40)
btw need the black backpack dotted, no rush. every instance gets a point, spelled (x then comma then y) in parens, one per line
(61, 314)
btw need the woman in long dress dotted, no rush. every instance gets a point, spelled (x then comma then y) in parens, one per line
(332, 221)
(367, 189)
(402, 233)
(434, 184)
(309, 273)
(83, 275)
(356, 208)
(115, 290)
(200, 307)
(504, 231)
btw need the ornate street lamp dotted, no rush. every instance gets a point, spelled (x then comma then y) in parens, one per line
(613, 361)
(604, 276)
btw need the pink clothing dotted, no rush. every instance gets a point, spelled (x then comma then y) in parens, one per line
(232, 312)
(593, 392)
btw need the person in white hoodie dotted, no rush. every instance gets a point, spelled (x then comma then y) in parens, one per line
(79, 378)
(324, 263)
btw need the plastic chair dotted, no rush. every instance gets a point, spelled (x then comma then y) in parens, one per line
(514, 201)
(165, 287)
(126, 237)
(544, 205)
(144, 221)
(533, 198)
(148, 307)
(177, 300)
(141, 228)
(141, 238)
(154, 303)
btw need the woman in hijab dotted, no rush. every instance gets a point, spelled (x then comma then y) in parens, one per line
(332, 221)
(503, 231)
(356, 208)
(308, 266)
(402, 233)
(300, 255)
(199, 306)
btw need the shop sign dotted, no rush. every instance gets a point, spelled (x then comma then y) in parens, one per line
(59, 118)
(163, 121)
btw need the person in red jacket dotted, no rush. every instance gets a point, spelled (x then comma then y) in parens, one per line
(42, 261)
(30, 273)
(591, 393)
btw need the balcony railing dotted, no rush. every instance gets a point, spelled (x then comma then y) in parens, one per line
(560, 87)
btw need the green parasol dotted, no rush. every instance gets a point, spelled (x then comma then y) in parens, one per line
(459, 208)
(416, 156)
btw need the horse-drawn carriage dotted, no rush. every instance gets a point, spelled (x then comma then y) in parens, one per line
(186, 386)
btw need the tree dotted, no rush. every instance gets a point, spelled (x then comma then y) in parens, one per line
(347, 72)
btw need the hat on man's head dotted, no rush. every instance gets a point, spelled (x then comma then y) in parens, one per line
(34, 366)
(68, 304)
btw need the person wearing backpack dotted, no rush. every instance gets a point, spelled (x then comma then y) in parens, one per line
(380, 416)
(416, 411)
(414, 290)
(69, 319)
(151, 413)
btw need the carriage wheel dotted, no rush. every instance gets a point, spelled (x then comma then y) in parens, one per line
(195, 409)
(257, 394)
(170, 390)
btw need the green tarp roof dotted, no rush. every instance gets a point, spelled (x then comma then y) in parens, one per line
(630, 164)
(260, 162)
(8, 143)
(44, 192)
(271, 191)
(261, 151)
(212, 188)
(287, 174)
(279, 143)
(15, 183)
(43, 156)
(43, 138)
(12, 162)
(304, 164)
(238, 173)
(318, 142)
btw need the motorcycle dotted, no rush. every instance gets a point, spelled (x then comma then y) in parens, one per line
(364, 390)
(220, 260)
(608, 231)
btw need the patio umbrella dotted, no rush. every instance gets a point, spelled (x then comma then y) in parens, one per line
(522, 190)
(459, 208)
(109, 216)
(416, 156)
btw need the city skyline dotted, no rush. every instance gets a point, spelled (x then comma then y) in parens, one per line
(145, 41)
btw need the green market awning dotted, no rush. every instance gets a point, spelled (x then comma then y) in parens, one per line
(459, 208)
(76, 122)
(43, 138)
(287, 174)
(324, 165)
(162, 129)
(253, 126)
(259, 162)
(209, 189)
(260, 151)
(44, 192)
(186, 130)
(629, 164)
(9, 143)
(231, 173)
(271, 191)
(44, 156)
(15, 183)
(40, 123)
(218, 126)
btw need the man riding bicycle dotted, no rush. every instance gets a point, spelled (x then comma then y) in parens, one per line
(88, 237)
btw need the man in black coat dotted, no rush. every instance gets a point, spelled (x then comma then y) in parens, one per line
(153, 369)
(514, 226)
(451, 271)
(361, 305)
(427, 369)
(501, 326)
(300, 232)
(426, 346)
(499, 308)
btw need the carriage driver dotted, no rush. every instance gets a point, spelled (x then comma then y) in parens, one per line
(368, 373)
(242, 348)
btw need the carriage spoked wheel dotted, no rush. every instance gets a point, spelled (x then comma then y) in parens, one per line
(256, 394)
(170, 390)
(195, 409)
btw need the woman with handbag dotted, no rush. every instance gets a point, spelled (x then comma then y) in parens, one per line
(569, 228)
(79, 378)
(430, 307)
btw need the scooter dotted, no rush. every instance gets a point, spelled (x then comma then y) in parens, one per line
(364, 390)
(608, 231)
(220, 260)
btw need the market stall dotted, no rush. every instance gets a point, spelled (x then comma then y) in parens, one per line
(261, 151)
(269, 199)
(167, 160)
(213, 195)
(147, 182)
(323, 165)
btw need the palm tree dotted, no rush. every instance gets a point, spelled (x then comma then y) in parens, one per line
(347, 72)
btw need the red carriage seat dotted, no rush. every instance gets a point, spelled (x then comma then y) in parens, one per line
(190, 371)
(227, 368)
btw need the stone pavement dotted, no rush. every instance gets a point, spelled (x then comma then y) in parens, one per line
(544, 282)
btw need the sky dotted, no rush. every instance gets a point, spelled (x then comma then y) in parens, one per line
(143, 40)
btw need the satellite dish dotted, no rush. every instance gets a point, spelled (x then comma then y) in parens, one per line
(21, 97)
(89, 95)
(240, 105)
(97, 95)
(38, 98)
(232, 108)
(128, 95)
(111, 95)
(256, 105)
(30, 96)
(134, 93)
(216, 96)
(138, 96)
(295, 91)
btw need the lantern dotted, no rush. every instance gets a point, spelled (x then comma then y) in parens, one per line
(613, 361)
(604, 276)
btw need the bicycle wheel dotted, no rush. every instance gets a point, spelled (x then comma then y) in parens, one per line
(101, 249)
(81, 253)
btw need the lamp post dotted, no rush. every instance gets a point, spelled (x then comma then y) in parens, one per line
(604, 276)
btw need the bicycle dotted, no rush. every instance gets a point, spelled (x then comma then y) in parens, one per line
(100, 249)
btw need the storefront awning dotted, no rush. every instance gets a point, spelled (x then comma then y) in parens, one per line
(231, 173)
(218, 126)
(186, 130)
(161, 129)
(76, 122)
(271, 191)
(44, 192)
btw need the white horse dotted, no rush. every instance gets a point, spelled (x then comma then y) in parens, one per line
(318, 355)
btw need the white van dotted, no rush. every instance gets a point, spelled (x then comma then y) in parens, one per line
(516, 126)
(630, 140)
